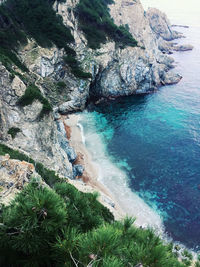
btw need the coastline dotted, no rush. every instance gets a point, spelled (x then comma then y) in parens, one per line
(114, 194)
(89, 183)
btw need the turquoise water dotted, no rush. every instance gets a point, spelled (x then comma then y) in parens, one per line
(154, 143)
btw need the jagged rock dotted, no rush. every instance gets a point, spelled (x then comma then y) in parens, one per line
(170, 78)
(182, 47)
(116, 72)
(14, 175)
(71, 154)
(78, 170)
(161, 25)
(38, 137)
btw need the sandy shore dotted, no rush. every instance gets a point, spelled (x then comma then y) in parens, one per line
(89, 181)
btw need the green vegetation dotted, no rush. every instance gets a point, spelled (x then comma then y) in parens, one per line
(48, 176)
(61, 86)
(32, 93)
(60, 226)
(71, 61)
(84, 211)
(96, 23)
(7, 57)
(13, 131)
(20, 19)
(31, 223)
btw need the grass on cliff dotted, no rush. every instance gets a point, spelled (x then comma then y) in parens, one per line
(32, 93)
(98, 26)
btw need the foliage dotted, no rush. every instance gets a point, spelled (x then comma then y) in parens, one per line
(187, 254)
(96, 23)
(85, 212)
(37, 19)
(13, 131)
(65, 227)
(8, 57)
(115, 245)
(32, 222)
(61, 85)
(71, 61)
(32, 93)
(48, 176)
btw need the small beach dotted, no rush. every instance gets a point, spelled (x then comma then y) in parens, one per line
(99, 176)
(89, 181)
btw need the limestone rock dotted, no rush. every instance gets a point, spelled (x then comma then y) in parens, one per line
(115, 72)
(78, 170)
(182, 47)
(161, 25)
(14, 175)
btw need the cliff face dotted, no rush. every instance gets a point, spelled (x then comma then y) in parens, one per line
(119, 72)
(115, 72)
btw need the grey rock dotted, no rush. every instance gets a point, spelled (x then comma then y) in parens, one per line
(72, 156)
(161, 25)
(78, 170)
(183, 48)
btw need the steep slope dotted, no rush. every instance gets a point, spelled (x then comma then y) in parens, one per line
(65, 86)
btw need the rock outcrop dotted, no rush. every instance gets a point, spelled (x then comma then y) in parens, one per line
(43, 139)
(161, 25)
(164, 32)
(14, 175)
(115, 72)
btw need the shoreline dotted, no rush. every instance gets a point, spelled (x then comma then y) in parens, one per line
(89, 182)
(114, 194)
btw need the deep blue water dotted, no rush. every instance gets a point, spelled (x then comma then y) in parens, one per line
(158, 137)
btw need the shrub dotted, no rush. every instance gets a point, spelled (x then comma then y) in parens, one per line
(32, 93)
(85, 212)
(96, 23)
(13, 131)
(116, 245)
(32, 222)
(8, 57)
(20, 19)
(69, 228)
(61, 85)
(71, 61)
(49, 176)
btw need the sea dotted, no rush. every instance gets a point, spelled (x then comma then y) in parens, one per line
(147, 147)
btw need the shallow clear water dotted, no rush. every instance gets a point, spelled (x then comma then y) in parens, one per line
(154, 141)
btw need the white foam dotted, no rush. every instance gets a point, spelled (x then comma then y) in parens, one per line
(82, 133)
(115, 179)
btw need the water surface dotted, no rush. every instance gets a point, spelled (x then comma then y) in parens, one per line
(155, 140)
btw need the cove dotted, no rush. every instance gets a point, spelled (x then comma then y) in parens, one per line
(155, 140)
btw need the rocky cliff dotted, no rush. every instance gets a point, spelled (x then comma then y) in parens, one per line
(164, 32)
(115, 72)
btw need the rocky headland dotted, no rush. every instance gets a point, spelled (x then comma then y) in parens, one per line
(115, 72)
